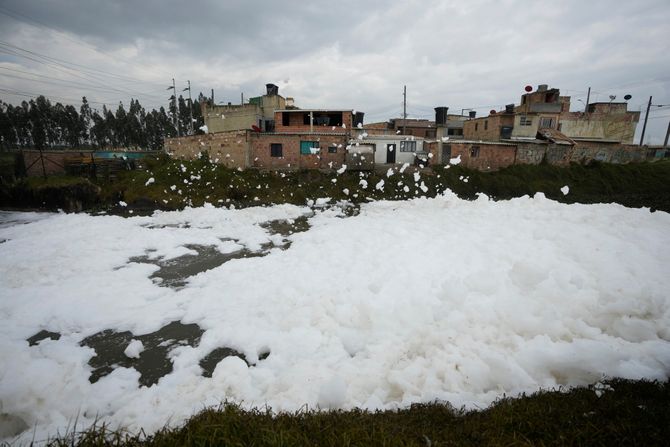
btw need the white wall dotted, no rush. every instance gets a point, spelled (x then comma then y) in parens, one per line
(380, 148)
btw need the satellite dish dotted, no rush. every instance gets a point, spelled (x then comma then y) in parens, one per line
(492, 112)
(612, 97)
(627, 97)
(528, 88)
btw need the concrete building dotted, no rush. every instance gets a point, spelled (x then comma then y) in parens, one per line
(259, 112)
(603, 121)
(390, 149)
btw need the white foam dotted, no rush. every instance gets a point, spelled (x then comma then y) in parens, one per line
(406, 302)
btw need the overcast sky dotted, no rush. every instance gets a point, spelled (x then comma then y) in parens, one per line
(340, 54)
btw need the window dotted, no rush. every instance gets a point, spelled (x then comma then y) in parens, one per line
(309, 147)
(546, 123)
(275, 150)
(285, 119)
(525, 121)
(408, 146)
(332, 149)
(454, 131)
(474, 151)
(506, 132)
(486, 125)
(476, 126)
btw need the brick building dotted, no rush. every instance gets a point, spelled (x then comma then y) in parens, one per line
(495, 127)
(302, 150)
(417, 127)
(305, 139)
(546, 109)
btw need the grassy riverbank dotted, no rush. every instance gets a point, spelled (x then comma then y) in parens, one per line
(616, 412)
(170, 184)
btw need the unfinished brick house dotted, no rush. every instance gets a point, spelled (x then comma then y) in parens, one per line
(495, 127)
(305, 139)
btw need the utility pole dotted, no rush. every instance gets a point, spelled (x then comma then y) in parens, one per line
(212, 96)
(667, 134)
(176, 110)
(190, 108)
(404, 108)
(646, 117)
(242, 99)
(588, 97)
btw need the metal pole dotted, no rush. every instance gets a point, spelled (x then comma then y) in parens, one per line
(404, 109)
(190, 108)
(646, 117)
(176, 107)
(241, 98)
(212, 96)
(44, 171)
(588, 97)
(667, 134)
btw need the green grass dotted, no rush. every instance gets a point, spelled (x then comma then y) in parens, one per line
(631, 413)
(633, 185)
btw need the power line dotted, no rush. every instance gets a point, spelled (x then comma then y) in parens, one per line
(24, 18)
(55, 63)
(59, 82)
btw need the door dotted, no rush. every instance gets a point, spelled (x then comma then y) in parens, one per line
(446, 153)
(390, 153)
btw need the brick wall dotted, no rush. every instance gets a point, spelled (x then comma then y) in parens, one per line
(227, 148)
(530, 154)
(432, 147)
(478, 129)
(484, 157)
(291, 157)
(608, 153)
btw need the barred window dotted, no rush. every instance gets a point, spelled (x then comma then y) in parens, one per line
(408, 146)
(546, 123)
(525, 121)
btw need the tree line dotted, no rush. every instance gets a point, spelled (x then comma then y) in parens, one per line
(40, 124)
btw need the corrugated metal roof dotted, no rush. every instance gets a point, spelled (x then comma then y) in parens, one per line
(554, 136)
(315, 110)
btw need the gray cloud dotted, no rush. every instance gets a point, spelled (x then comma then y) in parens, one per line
(354, 54)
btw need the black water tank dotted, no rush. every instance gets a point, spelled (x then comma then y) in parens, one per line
(509, 108)
(441, 116)
(358, 118)
(472, 114)
(272, 89)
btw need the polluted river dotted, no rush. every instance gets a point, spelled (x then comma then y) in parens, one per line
(143, 321)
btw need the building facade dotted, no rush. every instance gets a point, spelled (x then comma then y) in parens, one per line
(258, 112)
